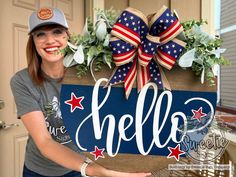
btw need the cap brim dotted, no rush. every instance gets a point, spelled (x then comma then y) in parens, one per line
(46, 23)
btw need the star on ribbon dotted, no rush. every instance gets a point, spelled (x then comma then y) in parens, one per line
(98, 153)
(175, 152)
(75, 102)
(198, 114)
(139, 45)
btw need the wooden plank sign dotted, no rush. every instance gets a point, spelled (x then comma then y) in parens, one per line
(131, 134)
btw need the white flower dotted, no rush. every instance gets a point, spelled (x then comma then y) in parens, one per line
(79, 55)
(101, 29)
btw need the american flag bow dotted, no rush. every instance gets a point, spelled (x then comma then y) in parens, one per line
(138, 45)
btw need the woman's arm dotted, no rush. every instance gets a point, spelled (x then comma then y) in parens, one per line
(36, 126)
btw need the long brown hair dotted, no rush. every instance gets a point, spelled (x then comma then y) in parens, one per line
(34, 60)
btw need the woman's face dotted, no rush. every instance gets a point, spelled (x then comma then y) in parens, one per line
(49, 41)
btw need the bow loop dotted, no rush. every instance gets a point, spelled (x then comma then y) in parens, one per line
(169, 52)
(131, 26)
(123, 52)
(165, 25)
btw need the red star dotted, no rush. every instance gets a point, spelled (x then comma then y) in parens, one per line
(198, 114)
(175, 152)
(75, 102)
(98, 153)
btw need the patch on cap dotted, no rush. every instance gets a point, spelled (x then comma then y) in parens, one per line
(45, 13)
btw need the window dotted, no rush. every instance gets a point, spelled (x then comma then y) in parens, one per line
(226, 27)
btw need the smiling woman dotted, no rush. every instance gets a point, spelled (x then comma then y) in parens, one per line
(49, 150)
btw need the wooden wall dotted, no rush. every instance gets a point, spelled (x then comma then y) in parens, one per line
(186, 9)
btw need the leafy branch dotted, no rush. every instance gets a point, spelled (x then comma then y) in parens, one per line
(202, 51)
(92, 46)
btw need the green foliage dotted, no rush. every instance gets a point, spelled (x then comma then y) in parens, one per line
(207, 50)
(94, 41)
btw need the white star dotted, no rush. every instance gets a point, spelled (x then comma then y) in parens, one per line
(125, 19)
(135, 29)
(127, 24)
(118, 44)
(127, 49)
(151, 75)
(124, 14)
(172, 21)
(175, 51)
(149, 43)
(161, 21)
(114, 48)
(119, 51)
(123, 69)
(138, 22)
(131, 18)
(167, 14)
(123, 47)
(167, 46)
(144, 45)
(155, 79)
(124, 74)
(152, 49)
(133, 23)
(114, 77)
(146, 51)
(119, 76)
(158, 74)
(143, 27)
(119, 20)
(176, 56)
(168, 52)
(165, 27)
(167, 20)
(119, 70)
(180, 50)
(173, 45)
(159, 82)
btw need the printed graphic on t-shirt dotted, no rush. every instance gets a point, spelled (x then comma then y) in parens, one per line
(54, 121)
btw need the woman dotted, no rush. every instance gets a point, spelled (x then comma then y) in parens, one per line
(49, 150)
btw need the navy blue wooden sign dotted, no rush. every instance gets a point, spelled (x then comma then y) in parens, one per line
(148, 123)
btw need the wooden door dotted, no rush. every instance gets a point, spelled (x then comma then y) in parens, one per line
(13, 34)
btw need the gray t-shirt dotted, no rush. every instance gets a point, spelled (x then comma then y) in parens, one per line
(30, 97)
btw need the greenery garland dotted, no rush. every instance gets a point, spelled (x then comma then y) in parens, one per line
(201, 54)
(93, 42)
